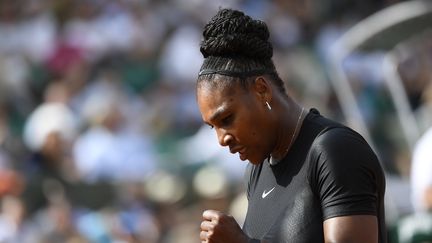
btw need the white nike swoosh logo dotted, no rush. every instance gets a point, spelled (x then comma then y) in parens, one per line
(265, 194)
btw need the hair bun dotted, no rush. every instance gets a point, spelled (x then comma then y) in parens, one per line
(231, 33)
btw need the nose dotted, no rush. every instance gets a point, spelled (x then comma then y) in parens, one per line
(224, 137)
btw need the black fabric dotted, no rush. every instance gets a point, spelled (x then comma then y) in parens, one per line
(330, 171)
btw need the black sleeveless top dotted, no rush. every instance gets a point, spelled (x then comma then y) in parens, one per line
(330, 171)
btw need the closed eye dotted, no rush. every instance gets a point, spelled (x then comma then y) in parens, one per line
(211, 126)
(227, 120)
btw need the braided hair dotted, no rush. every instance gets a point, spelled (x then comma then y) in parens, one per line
(237, 46)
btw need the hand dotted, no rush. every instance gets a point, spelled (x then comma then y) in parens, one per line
(218, 227)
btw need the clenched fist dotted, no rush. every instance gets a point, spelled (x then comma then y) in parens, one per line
(218, 227)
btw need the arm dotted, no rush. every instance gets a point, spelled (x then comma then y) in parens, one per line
(351, 229)
(350, 184)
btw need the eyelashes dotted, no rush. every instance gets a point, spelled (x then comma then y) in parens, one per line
(225, 122)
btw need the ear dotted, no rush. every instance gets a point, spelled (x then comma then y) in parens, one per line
(263, 89)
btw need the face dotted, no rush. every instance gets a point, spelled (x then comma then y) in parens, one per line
(239, 117)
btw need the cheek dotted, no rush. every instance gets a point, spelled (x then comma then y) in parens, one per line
(255, 135)
(257, 146)
(249, 135)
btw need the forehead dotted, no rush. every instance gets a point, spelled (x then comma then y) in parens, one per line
(213, 93)
(213, 97)
(217, 87)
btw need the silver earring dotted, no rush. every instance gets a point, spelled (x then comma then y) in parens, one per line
(268, 106)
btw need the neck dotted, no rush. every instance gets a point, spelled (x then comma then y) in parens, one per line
(289, 127)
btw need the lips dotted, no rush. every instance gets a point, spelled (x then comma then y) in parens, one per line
(236, 150)
(240, 150)
(242, 154)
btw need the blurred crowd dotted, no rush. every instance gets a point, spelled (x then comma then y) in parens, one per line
(101, 139)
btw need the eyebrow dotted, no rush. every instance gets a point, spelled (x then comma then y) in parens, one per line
(219, 111)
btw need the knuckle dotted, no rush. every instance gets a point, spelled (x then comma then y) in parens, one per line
(210, 235)
(203, 235)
